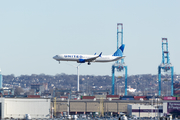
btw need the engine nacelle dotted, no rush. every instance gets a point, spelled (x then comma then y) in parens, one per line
(81, 61)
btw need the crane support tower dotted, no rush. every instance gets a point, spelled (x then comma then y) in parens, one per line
(120, 66)
(165, 65)
(1, 79)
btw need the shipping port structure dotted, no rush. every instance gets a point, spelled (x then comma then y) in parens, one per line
(119, 66)
(165, 65)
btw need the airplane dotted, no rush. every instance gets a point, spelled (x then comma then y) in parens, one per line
(79, 58)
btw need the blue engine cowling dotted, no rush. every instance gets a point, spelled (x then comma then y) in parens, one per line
(81, 61)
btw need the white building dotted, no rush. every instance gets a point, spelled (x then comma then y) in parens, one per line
(19, 107)
(131, 90)
(143, 110)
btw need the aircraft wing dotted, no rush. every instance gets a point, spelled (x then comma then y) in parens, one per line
(93, 58)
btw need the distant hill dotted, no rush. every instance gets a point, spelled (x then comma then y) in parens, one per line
(146, 83)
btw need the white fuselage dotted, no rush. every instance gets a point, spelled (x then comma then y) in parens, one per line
(76, 57)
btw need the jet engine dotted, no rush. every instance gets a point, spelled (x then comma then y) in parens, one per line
(81, 61)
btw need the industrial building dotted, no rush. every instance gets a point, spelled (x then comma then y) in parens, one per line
(144, 110)
(19, 107)
(42, 108)
(141, 108)
(171, 107)
(91, 105)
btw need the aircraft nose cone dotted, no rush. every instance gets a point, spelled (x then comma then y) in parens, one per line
(55, 57)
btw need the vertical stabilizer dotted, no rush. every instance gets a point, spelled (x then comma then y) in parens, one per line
(119, 51)
(122, 47)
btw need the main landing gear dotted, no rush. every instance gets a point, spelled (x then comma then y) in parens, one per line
(89, 63)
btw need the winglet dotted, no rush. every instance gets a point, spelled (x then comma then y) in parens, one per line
(100, 54)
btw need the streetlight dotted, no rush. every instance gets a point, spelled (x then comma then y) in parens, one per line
(77, 75)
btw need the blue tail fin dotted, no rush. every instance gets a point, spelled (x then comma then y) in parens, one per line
(119, 52)
(122, 47)
(100, 54)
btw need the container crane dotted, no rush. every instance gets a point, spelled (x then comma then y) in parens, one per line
(165, 65)
(120, 66)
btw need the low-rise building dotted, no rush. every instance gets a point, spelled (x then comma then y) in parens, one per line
(19, 107)
(144, 110)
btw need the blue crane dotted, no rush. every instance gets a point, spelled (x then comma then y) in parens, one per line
(165, 65)
(1, 79)
(120, 66)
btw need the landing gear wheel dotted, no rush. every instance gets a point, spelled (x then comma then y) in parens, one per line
(89, 63)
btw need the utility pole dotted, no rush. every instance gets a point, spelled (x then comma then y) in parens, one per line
(77, 75)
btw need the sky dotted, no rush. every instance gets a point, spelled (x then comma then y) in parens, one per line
(33, 31)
